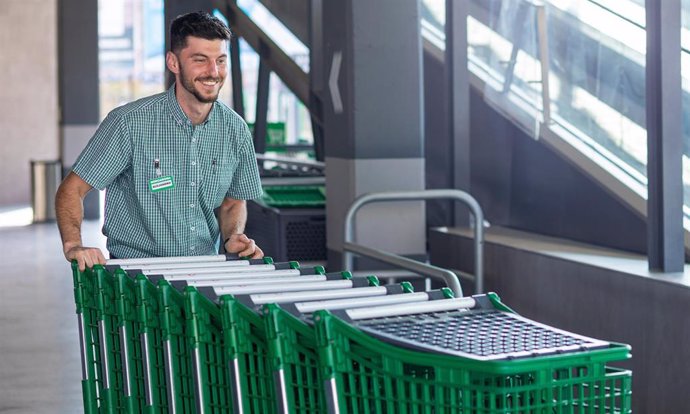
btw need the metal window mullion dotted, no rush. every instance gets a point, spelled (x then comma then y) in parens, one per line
(458, 80)
(236, 70)
(664, 136)
(262, 90)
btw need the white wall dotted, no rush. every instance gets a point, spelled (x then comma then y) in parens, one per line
(28, 93)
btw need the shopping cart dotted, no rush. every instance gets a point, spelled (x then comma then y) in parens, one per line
(465, 355)
(292, 345)
(242, 344)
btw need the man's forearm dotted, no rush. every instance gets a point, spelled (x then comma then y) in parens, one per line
(69, 210)
(232, 218)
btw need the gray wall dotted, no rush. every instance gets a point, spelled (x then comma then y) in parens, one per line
(28, 102)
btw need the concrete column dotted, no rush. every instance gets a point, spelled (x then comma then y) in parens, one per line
(78, 84)
(664, 137)
(373, 121)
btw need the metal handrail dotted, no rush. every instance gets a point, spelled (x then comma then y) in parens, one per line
(451, 279)
(316, 165)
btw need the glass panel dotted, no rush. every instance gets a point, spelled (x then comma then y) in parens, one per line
(597, 73)
(434, 14)
(283, 105)
(596, 63)
(275, 29)
(131, 42)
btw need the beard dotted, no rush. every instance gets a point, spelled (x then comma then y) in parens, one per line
(188, 84)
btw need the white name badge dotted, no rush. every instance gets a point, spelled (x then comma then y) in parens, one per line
(161, 184)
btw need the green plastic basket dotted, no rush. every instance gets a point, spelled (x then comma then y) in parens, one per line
(205, 337)
(131, 356)
(294, 359)
(112, 391)
(247, 352)
(365, 375)
(85, 301)
(148, 306)
(178, 364)
(294, 196)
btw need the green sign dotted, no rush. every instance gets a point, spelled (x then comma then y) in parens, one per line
(275, 133)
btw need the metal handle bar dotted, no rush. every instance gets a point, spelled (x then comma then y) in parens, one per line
(282, 297)
(267, 280)
(211, 271)
(171, 266)
(309, 307)
(182, 259)
(283, 287)
(449, 277)
(411, 309)
(318, 165)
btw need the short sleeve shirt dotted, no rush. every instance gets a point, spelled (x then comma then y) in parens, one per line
(151, 141)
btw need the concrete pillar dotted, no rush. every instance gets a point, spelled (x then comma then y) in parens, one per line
(373, 121)
(78, 84)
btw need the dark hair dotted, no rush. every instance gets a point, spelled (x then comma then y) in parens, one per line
(197, 24)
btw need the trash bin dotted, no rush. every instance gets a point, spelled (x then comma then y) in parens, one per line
(45, 179)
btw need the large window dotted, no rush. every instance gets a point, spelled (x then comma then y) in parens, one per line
(284, 108)
(574, 69)
(132, 62)
(131, 42)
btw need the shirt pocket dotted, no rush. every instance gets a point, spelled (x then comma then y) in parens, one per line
(218, 180)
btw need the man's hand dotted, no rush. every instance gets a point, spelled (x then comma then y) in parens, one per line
(85, 256)
(243, 246)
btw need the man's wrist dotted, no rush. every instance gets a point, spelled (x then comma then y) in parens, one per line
(67, 246)
(227, 239)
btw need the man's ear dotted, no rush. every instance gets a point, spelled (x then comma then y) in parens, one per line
(172, 62)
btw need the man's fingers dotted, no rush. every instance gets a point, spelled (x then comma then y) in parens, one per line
(81, 263)
(100, 259)
(86, 257)
(249, 248)
(258, 253)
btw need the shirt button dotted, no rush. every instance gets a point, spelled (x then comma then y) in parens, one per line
(192, 184)
(192, 228)
(193, 163)
(191, 205)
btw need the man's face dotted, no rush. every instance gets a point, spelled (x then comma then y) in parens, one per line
(202, 67)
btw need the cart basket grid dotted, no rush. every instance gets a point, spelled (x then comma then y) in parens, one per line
(366, 375)
(292, 349)
(247, 349)
(87, 320)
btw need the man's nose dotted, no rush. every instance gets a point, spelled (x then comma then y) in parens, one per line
(213, 69)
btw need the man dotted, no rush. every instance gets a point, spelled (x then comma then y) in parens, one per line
(168, 161)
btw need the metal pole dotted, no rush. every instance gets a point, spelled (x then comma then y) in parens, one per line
(461, 196)
(260, 120)
(236, 70)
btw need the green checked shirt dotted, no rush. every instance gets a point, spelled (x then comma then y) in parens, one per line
(164, 176)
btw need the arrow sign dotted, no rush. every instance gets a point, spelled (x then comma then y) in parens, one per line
(333, 82)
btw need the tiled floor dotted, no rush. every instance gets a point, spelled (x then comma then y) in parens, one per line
(40, 369)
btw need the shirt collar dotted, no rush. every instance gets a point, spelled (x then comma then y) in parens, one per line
(177, 112)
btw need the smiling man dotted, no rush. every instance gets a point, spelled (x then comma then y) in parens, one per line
(177, 167)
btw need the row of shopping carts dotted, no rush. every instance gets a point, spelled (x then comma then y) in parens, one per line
(210, 334)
